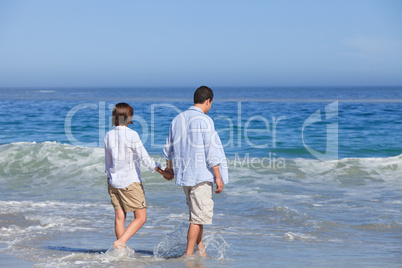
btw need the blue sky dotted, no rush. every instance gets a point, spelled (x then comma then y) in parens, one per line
(69, 43)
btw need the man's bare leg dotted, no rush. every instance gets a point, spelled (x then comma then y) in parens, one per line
(140, 217)
(200, 246)
(193, 236)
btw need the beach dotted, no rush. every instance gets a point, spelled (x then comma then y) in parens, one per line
(300, 194)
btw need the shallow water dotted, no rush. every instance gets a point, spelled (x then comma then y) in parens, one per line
(56, 211)
(282, 208)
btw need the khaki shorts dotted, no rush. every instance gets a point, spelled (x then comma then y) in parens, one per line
(200, 203)
(130, 198)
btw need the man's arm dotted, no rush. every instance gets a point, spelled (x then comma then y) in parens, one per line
(169, 169)
(218, 179)
(215, 156)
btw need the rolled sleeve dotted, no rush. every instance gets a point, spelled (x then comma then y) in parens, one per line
(143, 155)
(168, 148)
(108, 160)
(216, 156)
(213, 146)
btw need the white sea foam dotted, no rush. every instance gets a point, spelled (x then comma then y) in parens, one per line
(31, 206)
(115, 254)
(38, 220)
(46, 91)
(175, 243)
(215, 246)
(51, 161)
(317, 205)
(298, 236)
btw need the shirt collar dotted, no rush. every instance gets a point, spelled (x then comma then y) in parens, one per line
(196, 109)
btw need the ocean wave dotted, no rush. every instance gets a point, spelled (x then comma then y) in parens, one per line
(51, 170)
(25, 159)
(392, 225)
(24, 165)
(345, 172)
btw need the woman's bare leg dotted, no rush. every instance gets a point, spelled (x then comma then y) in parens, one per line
(140, 217)
(120, 218)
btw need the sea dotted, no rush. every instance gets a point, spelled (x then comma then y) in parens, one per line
(315, 178)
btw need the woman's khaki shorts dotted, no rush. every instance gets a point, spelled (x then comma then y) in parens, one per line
(200, 203)
(130, 198)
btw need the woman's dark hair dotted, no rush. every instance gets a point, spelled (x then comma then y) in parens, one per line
(122, 114)
(202, 94)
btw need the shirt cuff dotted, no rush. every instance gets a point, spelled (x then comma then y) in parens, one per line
(213, 163)
(169, 157)
(152, 167)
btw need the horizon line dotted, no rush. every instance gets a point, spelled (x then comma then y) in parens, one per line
(227, 86)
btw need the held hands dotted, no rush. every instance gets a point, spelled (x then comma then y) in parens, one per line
(168, 173)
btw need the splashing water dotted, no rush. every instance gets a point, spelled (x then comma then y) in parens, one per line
(115, 254)
(215, 246)
(174, 244)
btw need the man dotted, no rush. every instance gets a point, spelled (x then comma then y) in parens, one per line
(199, 161)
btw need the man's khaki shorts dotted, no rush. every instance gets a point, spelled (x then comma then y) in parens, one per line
(130, 198)
(200, 203)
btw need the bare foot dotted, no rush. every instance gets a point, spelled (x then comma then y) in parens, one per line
(119, 245)
(201, 250)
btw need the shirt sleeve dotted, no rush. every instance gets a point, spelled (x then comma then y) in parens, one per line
(210, 144)
(215, 155)
(143, 154)
(223, 165)
(168, 148)
(108, 159)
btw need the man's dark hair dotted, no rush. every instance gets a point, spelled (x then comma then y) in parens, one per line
(202, 94)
